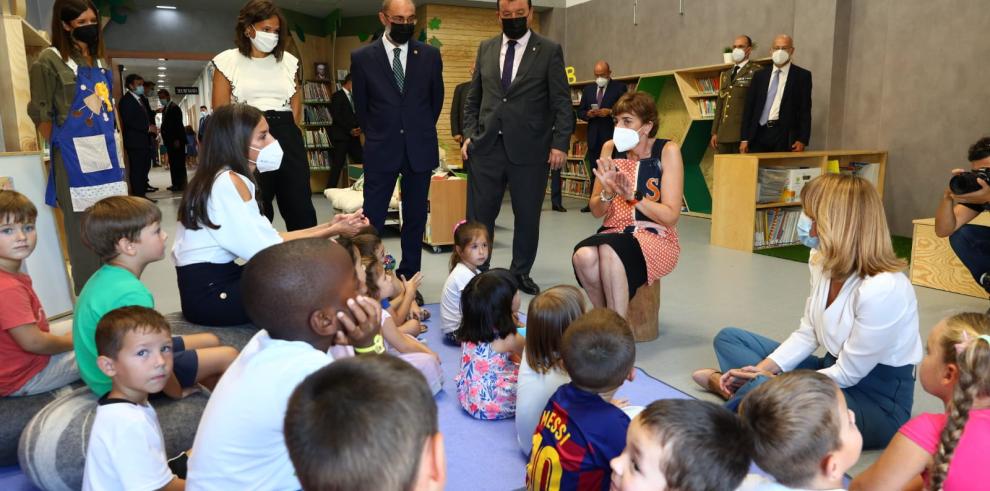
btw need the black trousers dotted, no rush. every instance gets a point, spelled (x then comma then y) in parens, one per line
(491, 172)
(138, 167)
(177, 165)
(290, 183)
(770, 139)
(415, 189)
(341, 149)
(555, 188)
(210, 294)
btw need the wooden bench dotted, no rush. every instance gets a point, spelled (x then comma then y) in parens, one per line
(644, 313)
(935, 265)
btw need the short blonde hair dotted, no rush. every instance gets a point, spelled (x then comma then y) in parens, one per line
(852, 229)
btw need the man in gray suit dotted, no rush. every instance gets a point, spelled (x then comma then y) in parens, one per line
(517, 126)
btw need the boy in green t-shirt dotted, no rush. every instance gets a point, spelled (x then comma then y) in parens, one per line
(125, 231)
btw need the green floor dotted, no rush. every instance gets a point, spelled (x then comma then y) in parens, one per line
(799, 253)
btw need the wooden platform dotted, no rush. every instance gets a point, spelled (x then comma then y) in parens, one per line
(935, 265)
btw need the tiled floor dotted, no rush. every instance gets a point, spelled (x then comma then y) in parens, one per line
(711, 288)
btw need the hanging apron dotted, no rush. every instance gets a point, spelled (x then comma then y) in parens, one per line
(87, 142)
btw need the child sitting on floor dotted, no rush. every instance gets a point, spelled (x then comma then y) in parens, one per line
(683, 444)
(471, 246)
(328, 423)
(126, 232)
(126, 448)
(490, 346)
(399, 304)
(302, 294)
(35, 360)
(379, 285)
(580, 430)
(947, 450)
(804, 435)
(541, 369)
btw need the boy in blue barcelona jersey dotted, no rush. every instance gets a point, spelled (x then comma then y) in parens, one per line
(580, 430)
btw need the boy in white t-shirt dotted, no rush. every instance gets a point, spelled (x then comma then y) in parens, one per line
(126, 448)
(303, 296)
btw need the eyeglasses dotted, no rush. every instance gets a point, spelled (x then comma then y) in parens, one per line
(401, 20)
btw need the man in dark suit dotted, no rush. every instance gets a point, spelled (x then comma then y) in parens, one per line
(777, 117)
(135, 130)
(518, 122)
(149, 88)
(596, 108)
(204, 118)
(174, 139)
(398, 95)
(345, 135)
(457, 112)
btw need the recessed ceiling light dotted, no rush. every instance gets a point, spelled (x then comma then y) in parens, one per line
(165, 7)
(161, 59)
(162, 68)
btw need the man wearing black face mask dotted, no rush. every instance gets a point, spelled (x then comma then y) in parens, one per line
(398, 93)
(174, 139)
(518, 122)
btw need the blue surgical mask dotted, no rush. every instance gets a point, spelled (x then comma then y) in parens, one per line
(804, 232)
(139, 90)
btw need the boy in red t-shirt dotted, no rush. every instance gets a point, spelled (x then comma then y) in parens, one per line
(32, 359)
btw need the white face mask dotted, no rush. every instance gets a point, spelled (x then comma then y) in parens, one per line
(601, 81)
(264, 41)
(781, 57)
(269, 158)
(625, 138)
(738, 54)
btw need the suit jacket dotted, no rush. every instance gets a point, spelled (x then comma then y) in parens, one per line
(394, 121)
(133, 121)
(457, 108)
(344, 119)
(795, 105)
(600, 128)
(533, 115)
(732, 102)
(172, 128)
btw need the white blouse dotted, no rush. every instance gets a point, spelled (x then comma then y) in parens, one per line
(243, 231)
(264, 83)
(872, 321)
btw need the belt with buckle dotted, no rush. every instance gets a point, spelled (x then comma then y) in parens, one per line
(772, 123)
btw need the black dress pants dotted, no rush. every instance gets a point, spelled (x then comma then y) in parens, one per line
(415, 189)
(139, 165)
(341, 149)
(177, 165)
(770, 139)
(290, 183)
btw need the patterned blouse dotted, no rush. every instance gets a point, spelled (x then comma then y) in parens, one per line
(486, 383)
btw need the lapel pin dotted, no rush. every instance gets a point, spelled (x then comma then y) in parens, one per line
(534, 48)
(415, 51)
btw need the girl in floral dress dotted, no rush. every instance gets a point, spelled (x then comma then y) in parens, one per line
(490, 346)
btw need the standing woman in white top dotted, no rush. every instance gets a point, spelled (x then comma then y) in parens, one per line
(220, 220)
(259, 72)
(862, 310)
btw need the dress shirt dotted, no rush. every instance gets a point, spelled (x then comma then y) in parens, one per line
(390, 53)
(520, 50)
(781, 83)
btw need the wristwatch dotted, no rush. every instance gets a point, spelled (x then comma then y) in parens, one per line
(637, 197)
(602, 197)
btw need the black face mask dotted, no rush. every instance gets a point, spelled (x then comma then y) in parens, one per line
(401, 33)
(514, 28)
(89, 34)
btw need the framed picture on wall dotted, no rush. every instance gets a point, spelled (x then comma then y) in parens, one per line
(322, 71)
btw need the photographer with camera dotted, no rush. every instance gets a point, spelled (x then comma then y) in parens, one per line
(968, 195)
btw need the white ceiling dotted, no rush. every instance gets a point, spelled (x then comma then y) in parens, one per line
(177, 72)
(321, 8)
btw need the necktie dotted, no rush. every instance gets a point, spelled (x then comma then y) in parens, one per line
(601, 93)
(510, 59)
(349, 100)
(771, 95)
(735, 70)
(400, 76)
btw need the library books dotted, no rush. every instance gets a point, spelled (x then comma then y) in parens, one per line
(708, 85)
(776, 227)
(782, 184)
(314, 91)
(317, 115)
(579, 148)
(316, 138)
(575, 168)
(318, 159)
(866, 170)
(707, 107)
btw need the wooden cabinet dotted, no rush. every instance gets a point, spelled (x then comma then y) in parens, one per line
(447, 205)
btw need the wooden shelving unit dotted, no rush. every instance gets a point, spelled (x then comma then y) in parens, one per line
(316, 130)
(735, 206)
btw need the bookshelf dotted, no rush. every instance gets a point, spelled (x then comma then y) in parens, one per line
(316, 130)
(737, 215)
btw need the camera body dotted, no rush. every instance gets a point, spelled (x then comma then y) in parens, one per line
(965, 182)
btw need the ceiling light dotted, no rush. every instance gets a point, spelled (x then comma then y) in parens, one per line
(161, 59)
(165, 7)
(162, 68)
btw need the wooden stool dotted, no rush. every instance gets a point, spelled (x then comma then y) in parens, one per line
(644, 312)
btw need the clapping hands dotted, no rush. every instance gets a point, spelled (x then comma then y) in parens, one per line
(348, 224)
(613, 181)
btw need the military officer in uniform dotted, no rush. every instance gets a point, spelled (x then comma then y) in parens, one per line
(733, 85)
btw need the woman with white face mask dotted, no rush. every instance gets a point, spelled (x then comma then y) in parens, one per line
(638, 190)
(261, 73)
(220, 220)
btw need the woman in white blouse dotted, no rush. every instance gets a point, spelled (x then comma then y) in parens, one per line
(862, 310)
(259, 72)
(220, 220)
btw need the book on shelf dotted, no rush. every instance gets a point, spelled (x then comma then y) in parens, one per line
(775, 185)
(316, 138)
(576, 168)
(866, 170)
(579, 148)
(707, 107)
(318, 159)
(708, 85)
(776, 227)
(317, 115)
(315, 91)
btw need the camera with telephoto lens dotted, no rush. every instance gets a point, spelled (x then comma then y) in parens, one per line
(965, 182)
